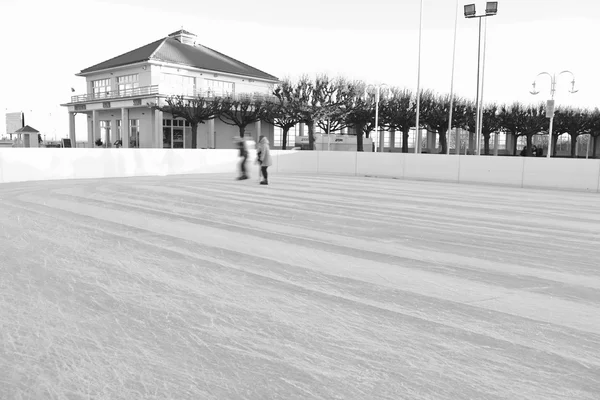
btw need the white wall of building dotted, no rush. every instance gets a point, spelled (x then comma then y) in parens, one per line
(144, 76)
(241, 84)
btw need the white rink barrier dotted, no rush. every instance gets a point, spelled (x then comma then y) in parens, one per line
(20, 165)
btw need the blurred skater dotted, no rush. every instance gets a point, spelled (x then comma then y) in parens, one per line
(241, 145)
(263, 153)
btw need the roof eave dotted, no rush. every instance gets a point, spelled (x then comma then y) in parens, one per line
(274, 79)
(90, 70)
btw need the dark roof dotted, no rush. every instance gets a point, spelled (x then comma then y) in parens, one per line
(138, 55)
(27, 129)
(172, 51)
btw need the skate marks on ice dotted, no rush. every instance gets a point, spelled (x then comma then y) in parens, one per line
(328, 287)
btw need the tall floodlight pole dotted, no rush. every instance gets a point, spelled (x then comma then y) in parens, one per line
(481, 95)
(550, 103)
(417, 125)
(452, 86)
(491, 9)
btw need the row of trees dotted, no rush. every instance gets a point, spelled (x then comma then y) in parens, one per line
(337, 104)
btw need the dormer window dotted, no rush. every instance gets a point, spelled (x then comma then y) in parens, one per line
(184, 37)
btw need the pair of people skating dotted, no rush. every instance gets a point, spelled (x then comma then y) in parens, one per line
(263, 158)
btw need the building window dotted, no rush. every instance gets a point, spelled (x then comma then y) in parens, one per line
(127, 83)
(134, 133)
(177, 84)
(175, 133)
(101, 88)
(219, 88)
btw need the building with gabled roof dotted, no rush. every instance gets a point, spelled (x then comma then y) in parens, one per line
(27, 137)
(120, 89)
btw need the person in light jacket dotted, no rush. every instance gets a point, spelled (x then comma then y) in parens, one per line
(263, 153)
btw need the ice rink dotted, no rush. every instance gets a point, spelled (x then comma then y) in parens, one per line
(327, 287)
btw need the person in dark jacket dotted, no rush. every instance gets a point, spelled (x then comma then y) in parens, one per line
(241, 145)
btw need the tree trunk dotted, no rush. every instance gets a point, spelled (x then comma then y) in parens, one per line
(595, 141)
(405, 140)
(359, 137)
(573, 144)
(554, 145)
(311, 134)
(243, 131)
(194, 135)
(529, 145)
(443, 141)
(286, 129)
(486, 144)
(515, 140)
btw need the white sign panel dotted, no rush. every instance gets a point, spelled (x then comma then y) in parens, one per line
(14, 122)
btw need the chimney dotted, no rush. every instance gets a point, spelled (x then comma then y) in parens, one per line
(184, 37)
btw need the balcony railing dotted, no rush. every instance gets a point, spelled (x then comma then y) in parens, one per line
(211, 93)
(166, 92)
(116, 94)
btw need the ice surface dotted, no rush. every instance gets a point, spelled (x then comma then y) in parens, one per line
(202, 287)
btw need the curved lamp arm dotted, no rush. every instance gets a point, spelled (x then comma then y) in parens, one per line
(552, 82)
(572, 82)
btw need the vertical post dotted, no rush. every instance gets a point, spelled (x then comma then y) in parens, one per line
(125, 127)
(477, 96)
(550, 137)
(92, 132)
(328, 137)
(377, 120)
(458, 141)
(496, 147)
(71, 129)
(417, 124)
(587, 152)
(259, 130)
(452, 83)
(211, 129)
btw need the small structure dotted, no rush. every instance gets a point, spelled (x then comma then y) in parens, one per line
(27, 137)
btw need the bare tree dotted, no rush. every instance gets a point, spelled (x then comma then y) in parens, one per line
(194, 110)
(362, 114)
(573, 121)
(437, 114)
(398, 112)
(242, 110)
(280, 110)
(320, 100)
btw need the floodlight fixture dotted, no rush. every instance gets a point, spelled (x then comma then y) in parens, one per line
(491, 8)
(470, 10)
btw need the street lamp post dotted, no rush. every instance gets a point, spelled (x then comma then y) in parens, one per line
(550, 103)
(379, 135)
(417, 124)
(452, 86)
(491, 9)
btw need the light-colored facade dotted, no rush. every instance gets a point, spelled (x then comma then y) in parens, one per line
(120, 91)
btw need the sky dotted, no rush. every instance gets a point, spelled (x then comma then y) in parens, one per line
(48, 42)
